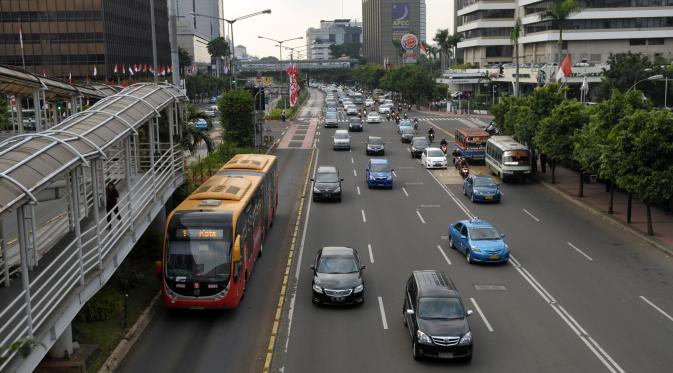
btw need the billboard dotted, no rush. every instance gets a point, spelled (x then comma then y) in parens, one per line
(401, 20)
(409, 42)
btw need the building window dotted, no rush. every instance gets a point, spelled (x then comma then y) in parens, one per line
(499, 51)
(655, 41)
(637, 42)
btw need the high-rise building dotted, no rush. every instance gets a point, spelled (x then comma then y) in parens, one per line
(195, 32)
(602, 27)
(338, 31)
(64, 38)
(384, 22)
(424, 23)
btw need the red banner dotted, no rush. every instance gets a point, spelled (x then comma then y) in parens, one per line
(292, 72)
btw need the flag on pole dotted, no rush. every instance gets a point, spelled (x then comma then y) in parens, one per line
(585, 85)
(20, 37)
(95, 70)
(423, 48)
(152, 69)
(145, 68)
(565, 70)
(123, 70)
(70, 77)
(131, 70)
(116, 69)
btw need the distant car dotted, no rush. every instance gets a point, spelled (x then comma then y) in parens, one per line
(379, 173)
(434, 158)
(407, 134)
(351, 110)
(201, 124)
(405, 123)
(418, 144)
(331, 119)
(373, 117)
(210, 113)
(479, 241)
(369, 102)
(213, 100)
(482, 189)
(337, 277)
(341, 140)
(330, 109)
(375, 146)
(384, 109)
(355, 124)
(327, 183)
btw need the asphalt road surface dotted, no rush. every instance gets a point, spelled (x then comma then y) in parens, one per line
(579, 294)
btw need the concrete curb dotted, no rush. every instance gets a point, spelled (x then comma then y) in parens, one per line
(131, 337)
(664, 248)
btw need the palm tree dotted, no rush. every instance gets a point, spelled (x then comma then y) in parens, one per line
(514, 38)
(192, 137)
(452, 42)
(218, 48)
(559, 11)
(441, 38)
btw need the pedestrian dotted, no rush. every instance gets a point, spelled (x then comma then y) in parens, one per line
(111, 199)
(283, 115)
(543, 161)
(536, 152)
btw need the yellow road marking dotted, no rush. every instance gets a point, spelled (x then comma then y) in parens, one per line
(283, 290)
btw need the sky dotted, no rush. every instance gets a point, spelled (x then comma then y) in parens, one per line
(291, 18)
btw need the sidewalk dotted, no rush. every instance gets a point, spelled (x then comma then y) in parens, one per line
(597, 200)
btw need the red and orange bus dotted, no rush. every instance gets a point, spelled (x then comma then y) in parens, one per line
(213, 238)
(471, 143)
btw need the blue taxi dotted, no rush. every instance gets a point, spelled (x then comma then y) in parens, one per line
(379, 173)
(479, 241)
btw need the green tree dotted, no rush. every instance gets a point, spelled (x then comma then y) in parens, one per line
(453, 41)
(555, 132)
(442, 40)
(627, 69)
(558, 11)
(237, 117)
(192, 137)
(514, 38)
(369, 75)
(268, 59)
(411, 81)
(218, 48)
(351, 50)
(639, 149)
(499, 111)
(184, 58)
(522, 123)
(4, 113)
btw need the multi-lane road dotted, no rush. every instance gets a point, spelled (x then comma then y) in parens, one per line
(579, 295)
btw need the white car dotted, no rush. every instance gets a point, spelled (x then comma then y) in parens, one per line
(373, 117)
(369, 102)
(434, 158)
(351, 110)
(384, 109)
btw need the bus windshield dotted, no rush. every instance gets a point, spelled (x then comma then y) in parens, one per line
(515, 158)
(199, 253)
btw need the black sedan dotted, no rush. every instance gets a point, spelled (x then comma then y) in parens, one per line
(355, 124)
(418, 144)
(375, 146)
(337, 277)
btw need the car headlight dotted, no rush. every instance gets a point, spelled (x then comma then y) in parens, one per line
(337, 190)
(317, 288)
(359, 288)
(476, 191)
(371, 177)
(316, 190)
(423, 338)
(467, 339)
(475, 248)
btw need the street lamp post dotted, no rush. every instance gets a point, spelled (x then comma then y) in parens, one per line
(231, 32)
(280, 61)
(653, 77)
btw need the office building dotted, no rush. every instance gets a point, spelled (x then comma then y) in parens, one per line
(67, 38)
(424, 23)
(385, 21)
(602, 27)
(338, 31)
(195, 32)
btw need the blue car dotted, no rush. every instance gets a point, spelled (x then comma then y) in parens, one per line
(481, 189)
(379, 174)
(201, 124)
(479, 241)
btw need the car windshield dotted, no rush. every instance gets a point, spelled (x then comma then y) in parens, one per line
(420, 142)
(435, 153)
(191, 257)
(355, 121)
(408, 131)
(379, 167)
(331, 115)
(337, 264)
(375, 141)
(373, 114)
(484, 182)
(326, 177)
(440, 308)
(341, 136)
(484, 233)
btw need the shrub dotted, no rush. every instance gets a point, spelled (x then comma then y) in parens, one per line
(102, 306)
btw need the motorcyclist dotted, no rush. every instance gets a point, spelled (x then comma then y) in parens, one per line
(431, 134)
(388, 117)
(416, 123)
(456, 155)
(444, 145)
(405, 115)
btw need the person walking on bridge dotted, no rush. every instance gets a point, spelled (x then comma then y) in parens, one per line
(111, 199)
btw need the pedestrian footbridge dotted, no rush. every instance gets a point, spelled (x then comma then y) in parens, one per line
(58, 243)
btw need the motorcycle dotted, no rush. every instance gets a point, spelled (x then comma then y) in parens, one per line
(388, 117)
(416, 124)
(464, 171)
(444, 148)
(431, 136)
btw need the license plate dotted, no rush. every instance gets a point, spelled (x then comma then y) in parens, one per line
(445, 354)
(338, 299)
(489, 197)
(494, 257)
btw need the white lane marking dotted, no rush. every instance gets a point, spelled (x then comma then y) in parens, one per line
(355, 173)
(371, 254)
(364, 219)
(383, 314)
(428, 206)
(531, 215)
(405, 192)
(283, 133)
(299, 263)
(414, 183)
(657, 308)
(358, 190)
(580, 251)
(352, 160)
(453, 197)
(488, 325)
(420, 217)
(444, 254)
(394, 174)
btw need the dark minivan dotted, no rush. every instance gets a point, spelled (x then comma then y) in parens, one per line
(434, 314)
